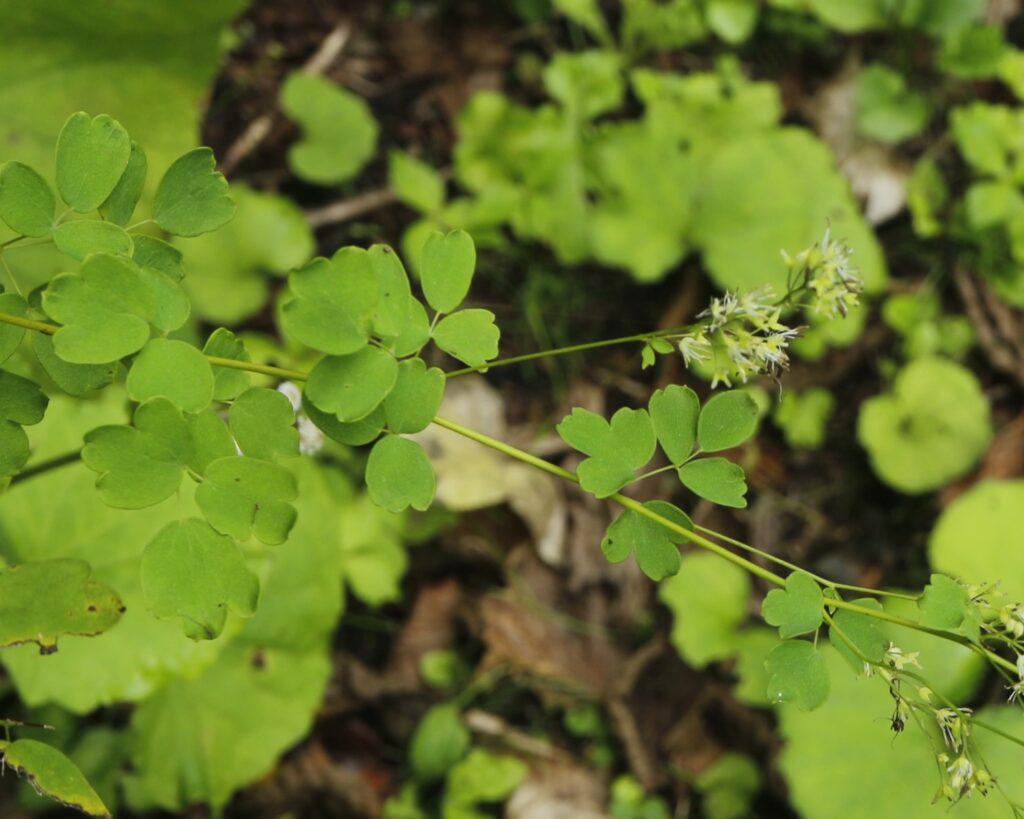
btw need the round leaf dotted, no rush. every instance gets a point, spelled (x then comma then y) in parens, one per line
(26, 201)
(416, 398)
(797, 609)
(440, 740)
(174, 370)
(263, 423)
(243, 496)
(797, 674)
(399, 475)
(716, 479)
(469, 335)
(352, 386)
(79, 239)
(727, 420)
(91, 156)
(447, 266)
(674, 412)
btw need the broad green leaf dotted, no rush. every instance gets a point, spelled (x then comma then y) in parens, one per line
(11, 335)
(886, 109)
(74, 379)
(52, 774)
(243, 496)
(120, 205)
(803, 416)
(796, 609)
(733, 20)
(354, 433)
(863, 631)
(798, 674)
(399, 475)
(373, 557)
(350, 387)
(105, 308)
(79, 239)
(469, 335)
(143, 464)
(415, 333)
(159, 255)
(26, 201)
(192, 197)
(674, 412)
(718, 480)
(339, 134)
(726, 421)
(439, 742)
(616, 450)
(587, 83)
(984, 134)
(480, 776)
(709, 599)
(446, 269)
(174, 370)
(416, 398)
(972, 52)
(944, 603)
(930, 429)
(263, 423)
(190, 571)
(92, 153)
(415, 182)
(160, 268)
(655, 547)
(228, 383)
(394, 302)
(334, 302)
(211, 440)
(22, 403)
(48, 599)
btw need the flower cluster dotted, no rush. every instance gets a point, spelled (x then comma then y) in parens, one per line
(961, 776)
(824, 269)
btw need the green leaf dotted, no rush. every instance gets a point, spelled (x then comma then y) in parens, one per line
(864, 631)
(52, 774)
(120, 205)
(26, 201)
(192, 572)
(74, 379)
(944, 603)
(48, 599)
(394, 302)
(334, 302)
(339, 132)
(174, 370)
(105, 308)
(716, 479)
(416, 398)
(469, 335)
(726, 421)
(439, 742)
(211, 440)
(415, 182)
(886, 109)
(798, 674)
(709, 600)
(617, 450)
(674, 412)
(415, 334)
(91, 156)
(480, 776)
(733, 20)
(243, 496)
(587, 14)
(355, 433)
(972, 52)
(22, 403)
(803, 416)
(930, 429)
(399, 475)
(228, 383)
(192, 197)
(446, 269)
(656, 547)
(159, 255)
(11, 335)
(373, 556)
(352, 386)
(143, 464)
(797, 609)
(263, 423)
(79, 239)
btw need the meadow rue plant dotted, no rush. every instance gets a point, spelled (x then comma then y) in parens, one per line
(201, 428)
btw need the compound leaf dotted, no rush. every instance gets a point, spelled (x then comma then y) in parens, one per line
(352, 386)
(334, 302)
(105, 308)
(616, 450)
(52, 774)
(174, 370)
(399, 475)
(416, 397)
(120, 205)
(447, 266)
(797, 674)
(796, 609)
(79, 239)
(192, 197)
(243, 496)
(655, 546)
(674, 412)
(92, 154)
(727, 420)
(140, 465)
(48, 599)
(718, 480)
(263, 423)
(190, 571)
(26, 200)
(469, 335)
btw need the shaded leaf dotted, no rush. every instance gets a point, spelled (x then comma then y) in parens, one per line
(438, 743)
(26, 201)
(798, 674)
(228, 382)
(120, 205)
(796, 609)
(863, 631)
(52, 774)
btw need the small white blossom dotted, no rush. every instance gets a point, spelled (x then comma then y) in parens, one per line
(899, 659)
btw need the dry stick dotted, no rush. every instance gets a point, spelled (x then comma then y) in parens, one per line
(357, 205)
(258, 129)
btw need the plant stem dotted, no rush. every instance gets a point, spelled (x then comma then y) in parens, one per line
(253, 367)
(45, 466)
(29, 324)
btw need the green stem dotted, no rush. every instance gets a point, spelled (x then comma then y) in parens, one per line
(253, 367)
(45, 466)
(29, 324)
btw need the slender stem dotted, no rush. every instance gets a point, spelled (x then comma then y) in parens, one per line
(253, 367)
(29, 324)
(45, 466)
(659, 471)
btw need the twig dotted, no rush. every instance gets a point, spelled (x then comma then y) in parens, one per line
(350, 208)
(258, 129)
(46, 466)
